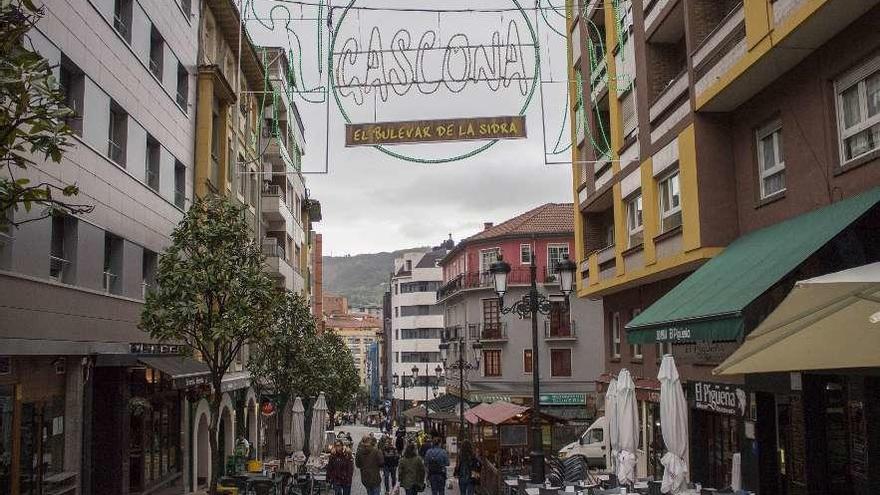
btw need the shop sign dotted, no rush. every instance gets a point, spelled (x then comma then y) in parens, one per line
(490, 397)
(190, 381)
(564, 399)
(427, 131)
(673, 334)
(721, 398)
(267, 408)
(703, 352)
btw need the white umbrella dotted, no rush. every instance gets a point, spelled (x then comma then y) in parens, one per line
(736, 472)
(319, 423)
(674, 425)
(611, 418)
(627, 428)
(298, 430)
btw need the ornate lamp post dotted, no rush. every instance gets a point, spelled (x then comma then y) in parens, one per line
(462, 366)
(530, 305)
(402, 384)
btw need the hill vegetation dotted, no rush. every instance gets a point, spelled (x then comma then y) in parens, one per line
(362, 278)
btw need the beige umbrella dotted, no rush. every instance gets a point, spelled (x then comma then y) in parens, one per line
(297, 430)
(319, 424)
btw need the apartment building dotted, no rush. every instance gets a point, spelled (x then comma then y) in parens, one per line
(417, 324)
(724, 150)
(360, 333)
(73, 286)
(570, 337)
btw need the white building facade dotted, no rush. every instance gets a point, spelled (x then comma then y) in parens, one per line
(416, 324)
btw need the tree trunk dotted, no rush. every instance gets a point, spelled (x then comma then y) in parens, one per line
(213, 427)
(307, 426)
(332, 413)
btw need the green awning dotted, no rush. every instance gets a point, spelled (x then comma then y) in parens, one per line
(708, 305)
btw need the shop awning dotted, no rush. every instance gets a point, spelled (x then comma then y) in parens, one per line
(184, 371)
(708, 305)
(827, 322)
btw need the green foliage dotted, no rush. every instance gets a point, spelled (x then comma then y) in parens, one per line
(213, 293)
(33, 119)
(362, 278)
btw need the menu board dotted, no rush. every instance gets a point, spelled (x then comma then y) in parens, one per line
(514, 435)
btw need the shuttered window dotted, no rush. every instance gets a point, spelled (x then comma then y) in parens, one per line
(560, 362)
(628, 113)
(492, 362)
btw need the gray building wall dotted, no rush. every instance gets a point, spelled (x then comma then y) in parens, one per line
(587, 351)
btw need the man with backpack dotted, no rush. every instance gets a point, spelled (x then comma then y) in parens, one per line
(436, 461)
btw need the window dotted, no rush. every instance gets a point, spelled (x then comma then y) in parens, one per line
(487, 257)
(396, 311)
(492, 362)
(153, 161)
(179, 184)
(634, 221)
(426, 286)
(63, 248)
(663, 348)
(117, 134)
(395, 289)
(771, 162)
(230, 162)
(409, 265)
(560, 362)
(670, 203)
(156, 52)
(148, 271)
(182, 86)
(525, 254)
(615, 335)
(527, 360)
(560, 319)
(858, 111)
(72, 85)
(112, 263)
(491, 318)
(628, 113)
(420, 357)
(242, 178)
(636, 349)
(216, 129)
(122, 18)
(421, 333)
(597, 435)
(420, 310)
(555, 254)
(255, 188)
(186, 6)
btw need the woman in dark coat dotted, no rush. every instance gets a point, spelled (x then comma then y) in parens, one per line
(340, 469)
(411, 471)
(467, 469)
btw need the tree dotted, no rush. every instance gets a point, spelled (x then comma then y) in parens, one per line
(213, 295)
(282, 361)
(343, 379)
(33, 119)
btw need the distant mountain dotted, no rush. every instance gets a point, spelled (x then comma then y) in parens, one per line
(362, 278)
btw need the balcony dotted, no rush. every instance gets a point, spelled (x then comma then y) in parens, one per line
(493, 333)
(277, 152)
(483, 280)
(564, 331)
(598, 79)
(722, 49)
(277, 265)
(275, 208)
(653, 10)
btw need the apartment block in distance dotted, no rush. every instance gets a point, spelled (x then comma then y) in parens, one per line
(723, 151)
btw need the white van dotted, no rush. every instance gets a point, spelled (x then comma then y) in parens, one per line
(593, 444)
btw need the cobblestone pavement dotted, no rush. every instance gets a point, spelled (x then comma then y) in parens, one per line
(357, 433)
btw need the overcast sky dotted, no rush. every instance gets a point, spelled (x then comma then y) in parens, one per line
(372, 202)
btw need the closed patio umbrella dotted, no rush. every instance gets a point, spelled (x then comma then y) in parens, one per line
(319, 423)
(297, 430)
(674, 426)
(611, 417)
(627, 428)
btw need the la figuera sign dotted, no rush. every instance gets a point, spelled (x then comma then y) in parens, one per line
(429, 131)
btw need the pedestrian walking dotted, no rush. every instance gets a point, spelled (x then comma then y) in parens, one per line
(467, 469)
(436, 461)
(369, 460)
(392, 458)
(340, 469)
(411, 471)
(400, 441)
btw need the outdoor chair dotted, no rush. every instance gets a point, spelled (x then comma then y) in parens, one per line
(262, 487)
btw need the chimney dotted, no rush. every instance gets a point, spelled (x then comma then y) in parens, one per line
(487, 225)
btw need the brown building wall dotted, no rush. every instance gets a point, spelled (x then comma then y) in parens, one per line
(804, 100)
(335, 305)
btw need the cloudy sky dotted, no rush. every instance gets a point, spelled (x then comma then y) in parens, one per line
(373, 202)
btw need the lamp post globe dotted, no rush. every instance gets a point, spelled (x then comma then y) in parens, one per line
(499, 270)
(566, 268)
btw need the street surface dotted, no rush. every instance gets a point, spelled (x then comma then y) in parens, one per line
(357, 433)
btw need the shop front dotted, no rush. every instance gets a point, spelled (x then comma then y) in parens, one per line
(35, 450)
(718, 418)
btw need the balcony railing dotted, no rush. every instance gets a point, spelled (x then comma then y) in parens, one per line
(115, 152)
(182, 100)
(477, 280)
(109, 278)
(155, 68)
(561, 331)
(496, 332)
(121, 26)
(57, 267)
(180, 198)
(273, 250)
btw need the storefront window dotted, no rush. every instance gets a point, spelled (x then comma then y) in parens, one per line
(42, 443)
(717, 439)
(7, 402)
(154, 434)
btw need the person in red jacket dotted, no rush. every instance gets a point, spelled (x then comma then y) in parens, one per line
(340, 468)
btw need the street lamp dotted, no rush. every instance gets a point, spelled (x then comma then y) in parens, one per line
(463, 366)
(402, 380)
(530, 305)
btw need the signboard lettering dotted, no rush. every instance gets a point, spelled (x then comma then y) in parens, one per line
(426, 131)
(673, 334)
(703, 352)
(720, 398)
(489, 397)
(190, 381)
(564, 399)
